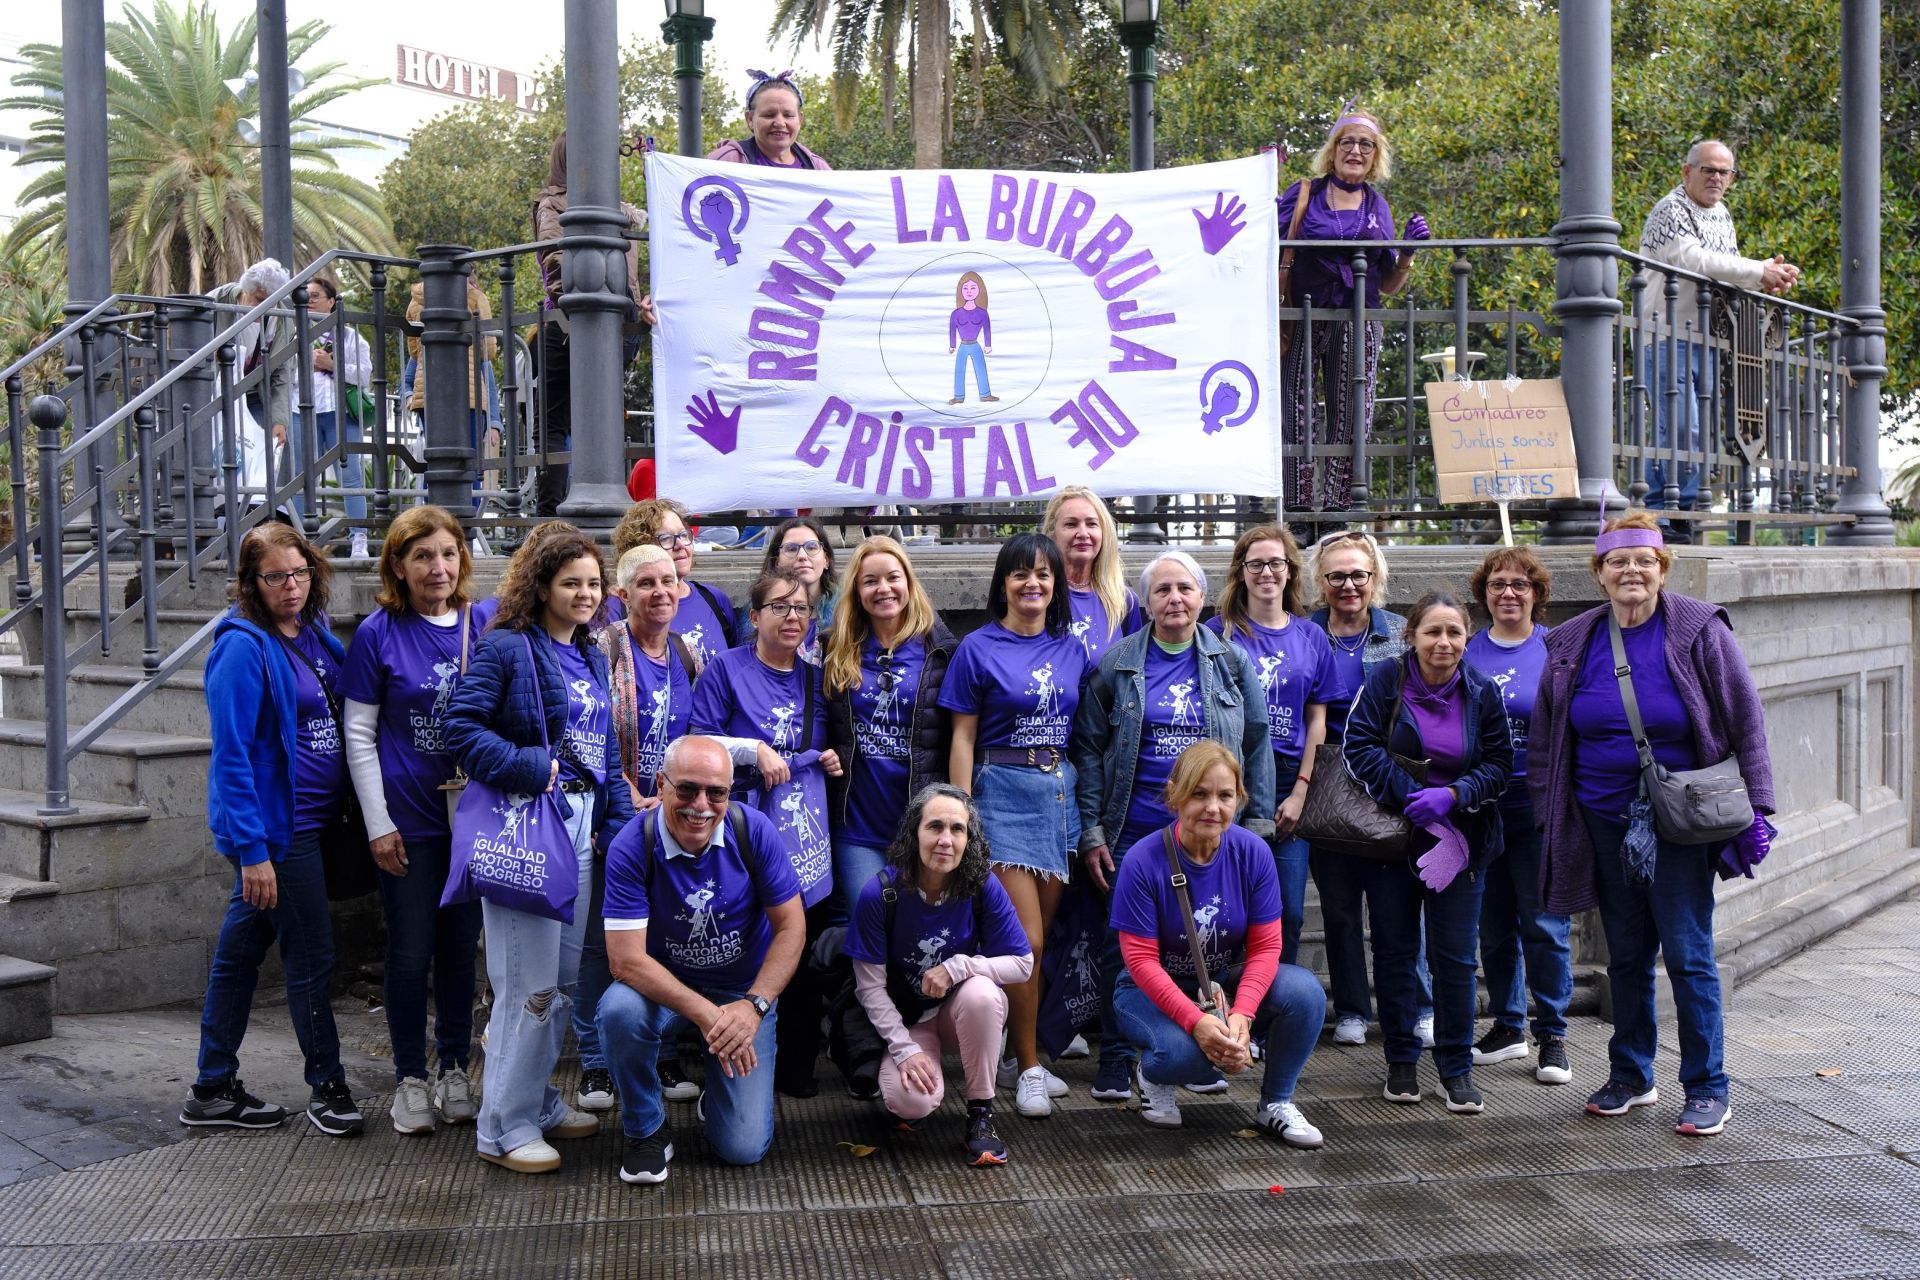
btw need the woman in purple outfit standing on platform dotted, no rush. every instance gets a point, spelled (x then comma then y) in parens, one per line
(1698, 706)
(406, 659)
(774, 118)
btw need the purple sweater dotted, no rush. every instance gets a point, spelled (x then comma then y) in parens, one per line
(969, 326)
(1711, 677)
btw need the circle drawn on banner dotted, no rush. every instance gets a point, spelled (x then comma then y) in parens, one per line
(931, 305)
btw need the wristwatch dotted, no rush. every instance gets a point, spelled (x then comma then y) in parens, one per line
(761, 1005)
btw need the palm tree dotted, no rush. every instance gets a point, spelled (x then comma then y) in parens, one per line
(1033, 36)
(183, 189)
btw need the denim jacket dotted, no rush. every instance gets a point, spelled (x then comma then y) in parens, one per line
(1380, 723)
(1105, 748)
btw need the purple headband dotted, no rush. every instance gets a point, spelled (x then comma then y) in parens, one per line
(762, 80)
(1627, 538)
(1348, 117)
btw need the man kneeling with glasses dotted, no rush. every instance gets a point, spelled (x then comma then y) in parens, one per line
(704, 925)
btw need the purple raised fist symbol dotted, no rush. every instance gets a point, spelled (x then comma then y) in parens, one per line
(1223, 224)
(716, 215)
(720, 216)
(1417, 228)
(1229, 393)
(721, 430)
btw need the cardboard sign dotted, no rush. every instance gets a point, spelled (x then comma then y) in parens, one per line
(1506, 441)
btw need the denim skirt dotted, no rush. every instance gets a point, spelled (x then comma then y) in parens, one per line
(1030, 816)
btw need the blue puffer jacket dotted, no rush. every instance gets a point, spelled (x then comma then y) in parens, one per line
(493, 728)
(250, 702)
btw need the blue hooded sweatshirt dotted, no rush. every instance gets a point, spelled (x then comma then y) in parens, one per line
(250, 701)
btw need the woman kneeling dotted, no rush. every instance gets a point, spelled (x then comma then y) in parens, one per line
(934, 938)
(1199, 901)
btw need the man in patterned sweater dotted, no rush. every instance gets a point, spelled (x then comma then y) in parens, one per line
(1690, 228)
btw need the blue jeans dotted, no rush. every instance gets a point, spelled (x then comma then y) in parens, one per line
(1672, 917)
(1398, 905)
(1691, 369)
(1116, 1048)
(969, 353)
(1288, 1024)
(1344, 884)
(1511, 922)
(739, 1110)
(423, 937)
(534, 964)
(595, 976)
(305, 932)
(1290, 861)
(326, 434)
(854, 867)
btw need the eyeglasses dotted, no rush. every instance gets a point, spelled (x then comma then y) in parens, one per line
(1646, 563)
(672, 540)
(1509, 587)
(688, 792)
(1355, 577)
(290, 575)
(1355, 144)
(799, 548)
(1255, 568)
(1715, 171)
(784, 609)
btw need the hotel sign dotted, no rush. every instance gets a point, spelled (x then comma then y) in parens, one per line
(453, 77)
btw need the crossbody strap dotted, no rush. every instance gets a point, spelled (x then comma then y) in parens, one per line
(333, 705)
(1623, 672)
(1293, 233)
(1178, 879)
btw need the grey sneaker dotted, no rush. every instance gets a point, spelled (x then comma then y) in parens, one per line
(453, 1097)
(412, 1112)
(1159, 1103)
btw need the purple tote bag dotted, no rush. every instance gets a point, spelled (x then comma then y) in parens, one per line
(513, 850)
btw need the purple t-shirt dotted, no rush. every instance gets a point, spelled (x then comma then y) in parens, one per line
(740, 696)
(705, 631)
(319, 756)
(925, 934)
(589, 718)
(705, 916)
(1025, 689)
(408, 665)
(883, 735)
(1606, 770)
(1170, 722)
(1295, 666)
(663, 708)
(1515, 671)
(1348, 673)
(1238, 888)
(1092, 627)
(969, 326)
(1326, 275)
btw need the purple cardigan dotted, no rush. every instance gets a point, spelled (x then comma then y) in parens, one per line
(1723, 706)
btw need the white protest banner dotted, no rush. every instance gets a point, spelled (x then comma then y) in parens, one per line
(1508, 441)
(846, 338)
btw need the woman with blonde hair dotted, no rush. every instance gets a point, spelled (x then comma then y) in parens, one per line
(886, 656)
(1102, 607)
(707, 618)
(400, 675)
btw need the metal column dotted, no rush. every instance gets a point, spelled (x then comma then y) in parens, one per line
(83, 73)
(276, 155)
(444, 343)
(686, 33)
(1865, 348)
(1586, 274)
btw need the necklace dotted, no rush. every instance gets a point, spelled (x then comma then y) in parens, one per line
(1350, 644)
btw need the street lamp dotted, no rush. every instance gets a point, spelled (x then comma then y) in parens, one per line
(687, 28)
(1140, 33)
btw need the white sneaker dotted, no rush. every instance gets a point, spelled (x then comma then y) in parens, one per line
(1159, 1103)
(1009, 1076)
(358, 551)
(1284, 1121)
(534, 1157)
(1076, 1048)
(1208, 1086)
(1423, 1030)
(1030, 1095)
(1350, 1030)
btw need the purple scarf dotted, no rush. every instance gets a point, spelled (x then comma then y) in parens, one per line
(1439, 714)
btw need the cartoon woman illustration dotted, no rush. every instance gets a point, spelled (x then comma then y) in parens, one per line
(970, 337)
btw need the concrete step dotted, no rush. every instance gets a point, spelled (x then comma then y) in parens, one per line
(167, 773)
(179, 705)
(173, 628)
(26, 1000)
(30, 839)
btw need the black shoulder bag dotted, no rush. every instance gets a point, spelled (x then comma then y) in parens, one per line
(344, 856)
(1690, 806)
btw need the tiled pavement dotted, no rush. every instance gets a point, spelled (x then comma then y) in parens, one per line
(1818, 1175)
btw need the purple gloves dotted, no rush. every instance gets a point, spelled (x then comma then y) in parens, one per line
(1740, 855)
(1429, 806)
(1446, 860)
(1417, 229)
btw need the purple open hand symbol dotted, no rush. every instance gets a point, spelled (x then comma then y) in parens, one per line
(1223, 224)
(721, 430)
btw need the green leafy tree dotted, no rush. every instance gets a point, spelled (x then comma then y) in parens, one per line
(183, 190)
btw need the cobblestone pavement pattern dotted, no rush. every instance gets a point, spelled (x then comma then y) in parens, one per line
(1817, 1175)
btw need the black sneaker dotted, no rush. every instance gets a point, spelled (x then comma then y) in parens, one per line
(1553, 1067)
(1462, 1097)
(596, 1090)
(230, 1105)
(1499, 1044)
(647, 1159)
(864, 1084)
(674, 1085)
(984, 1147)
(1403, 1083)
(334, 1112)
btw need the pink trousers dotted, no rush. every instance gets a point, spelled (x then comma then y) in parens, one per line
(971, 1021)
